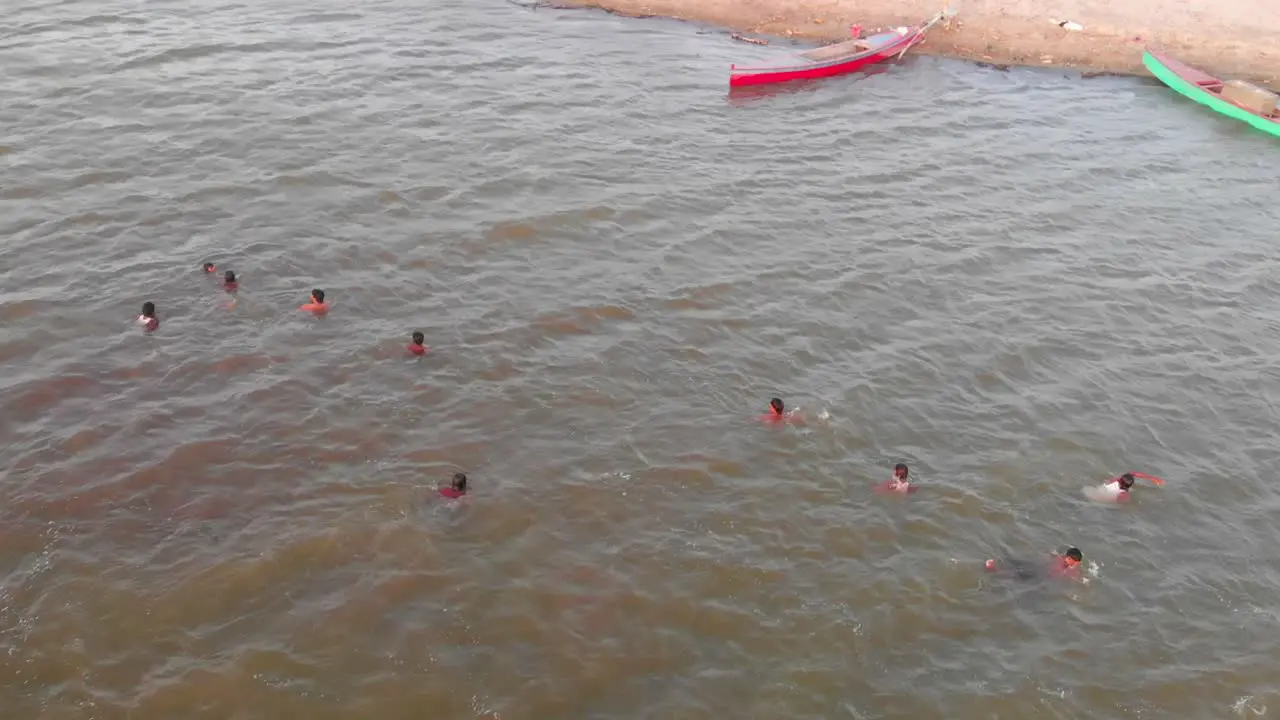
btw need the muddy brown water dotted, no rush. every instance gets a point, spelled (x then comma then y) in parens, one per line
(1020, 283)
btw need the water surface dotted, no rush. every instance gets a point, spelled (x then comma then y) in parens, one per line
(1019, 283)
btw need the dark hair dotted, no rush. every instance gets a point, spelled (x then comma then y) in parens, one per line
(318, 294)
(418, 338)
(229, 277)
(776, 404)
(148, 309)
(1126, 481)
(902, 467)
(1074, 554)
(208, 267)
(460, 482)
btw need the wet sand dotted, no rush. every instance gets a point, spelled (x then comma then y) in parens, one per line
(1233, 38)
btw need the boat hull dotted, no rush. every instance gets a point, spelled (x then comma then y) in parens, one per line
(743, 77)
(1190, 83)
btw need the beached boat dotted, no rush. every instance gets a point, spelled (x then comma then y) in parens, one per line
(1232, 98)
(838, 59)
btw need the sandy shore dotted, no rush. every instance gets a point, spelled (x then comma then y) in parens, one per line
(1232, 38)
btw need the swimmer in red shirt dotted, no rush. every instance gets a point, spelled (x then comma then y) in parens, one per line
(229, 282)
(777, 412)
(209, 268)
(416, 347)
(899, 483)
(148, 319)
(457, 489)
(317, 304)
(1066, 565)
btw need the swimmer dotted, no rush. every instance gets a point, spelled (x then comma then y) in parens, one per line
(148, 319)
(777, 412)
(209, 268)
(317, 304)
(457, 488)
(229, 282)
(1117, 488)
(416, 347)
(899, 483)
(1066, 565)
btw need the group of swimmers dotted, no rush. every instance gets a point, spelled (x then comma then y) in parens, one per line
(1065, 564)
(316, 304)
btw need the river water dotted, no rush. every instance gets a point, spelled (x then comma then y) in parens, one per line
(1020, 283)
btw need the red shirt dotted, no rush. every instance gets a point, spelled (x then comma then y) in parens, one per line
(451, 493)
(417, 349)
(149, 323)
(230, 287)
(1060, 568)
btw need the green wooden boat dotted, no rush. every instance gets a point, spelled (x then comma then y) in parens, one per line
(1204, 89)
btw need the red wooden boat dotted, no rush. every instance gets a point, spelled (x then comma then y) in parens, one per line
(838, 59)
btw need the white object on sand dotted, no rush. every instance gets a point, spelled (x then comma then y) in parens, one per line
(1067, 25)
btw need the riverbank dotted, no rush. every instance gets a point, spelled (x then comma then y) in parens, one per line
(1232, 38)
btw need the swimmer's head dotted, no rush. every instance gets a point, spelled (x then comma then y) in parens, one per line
(776, 406)
(229, 277)
(418, 338)
(900, 471)
(148, 309)
(1126, 481)
(208, 267)
(1072, 557)
(317, 296)
(460, 482)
